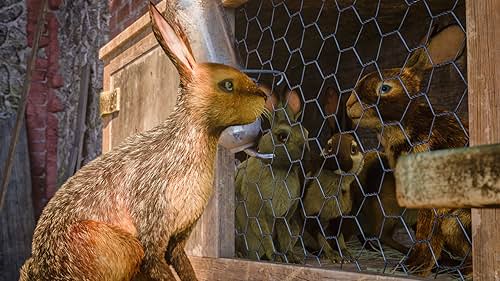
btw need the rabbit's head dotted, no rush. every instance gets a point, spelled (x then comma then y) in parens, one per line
(342, 152)
(390, 93)
(286, 138)
(215, 94)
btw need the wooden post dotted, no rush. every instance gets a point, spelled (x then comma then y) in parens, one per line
(483, 64)
(214, 234)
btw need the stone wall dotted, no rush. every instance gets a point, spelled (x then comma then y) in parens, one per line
(83, 30)
(12, 54)
(73, 34)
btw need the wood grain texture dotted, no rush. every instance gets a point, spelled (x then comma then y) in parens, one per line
(211, 269)
(451, 178)
(213, 236)
(483, 57)
(148, 91)
(106, 120)
(145, 42)
(17, 220)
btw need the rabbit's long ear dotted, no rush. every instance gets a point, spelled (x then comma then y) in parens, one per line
(331, 105)
(271, 100)
(293, 103)
(173, 40)
(446, 45)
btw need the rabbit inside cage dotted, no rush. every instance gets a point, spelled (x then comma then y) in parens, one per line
(364, 82)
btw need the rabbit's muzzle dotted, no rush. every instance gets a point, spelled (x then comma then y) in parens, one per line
(354, 108)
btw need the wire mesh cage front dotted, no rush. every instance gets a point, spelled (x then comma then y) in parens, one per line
(364, 82)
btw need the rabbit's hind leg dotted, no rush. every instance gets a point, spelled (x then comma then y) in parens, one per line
(287, 239)
(389, 241)
(387, 237)
(330, 253)
(111, 253)
(422, 255)
(456, 240)
(90, 250)
(267, 242)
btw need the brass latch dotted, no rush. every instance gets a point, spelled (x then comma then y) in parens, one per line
(109, 102)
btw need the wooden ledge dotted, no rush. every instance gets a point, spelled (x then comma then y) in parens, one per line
(215, 269)
(233, 3)
(452, 178)
(127, 37)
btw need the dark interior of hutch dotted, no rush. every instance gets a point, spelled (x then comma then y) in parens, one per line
(324, 49)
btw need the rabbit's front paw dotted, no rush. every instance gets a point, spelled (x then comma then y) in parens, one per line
(419, 263)
(347, 256)
(295, 258)
(333, 256)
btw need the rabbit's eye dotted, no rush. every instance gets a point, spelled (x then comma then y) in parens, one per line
(226, 85)
(282, 137)
(354, 149)
(384, 89)
(329, 149)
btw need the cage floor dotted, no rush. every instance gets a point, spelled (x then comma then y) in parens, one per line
(371, 261)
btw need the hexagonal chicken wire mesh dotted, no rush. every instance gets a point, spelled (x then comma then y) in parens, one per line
(364, 82)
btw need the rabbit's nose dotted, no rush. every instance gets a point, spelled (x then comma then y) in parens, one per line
(352, 100)
(262, 93)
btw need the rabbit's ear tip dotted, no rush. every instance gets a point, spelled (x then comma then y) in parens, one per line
(172, 39)
(153, 10)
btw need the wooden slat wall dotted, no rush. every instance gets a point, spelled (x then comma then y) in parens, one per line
(483, 57)
(17, 218)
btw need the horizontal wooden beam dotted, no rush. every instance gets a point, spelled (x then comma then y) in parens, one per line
(451, 178)
(127, 37)
(233, 3)
(214, 269)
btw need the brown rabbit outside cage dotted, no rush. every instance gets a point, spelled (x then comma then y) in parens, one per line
(407, 124)
(129, 213)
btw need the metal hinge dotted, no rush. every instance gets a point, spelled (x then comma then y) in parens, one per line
(109, 102)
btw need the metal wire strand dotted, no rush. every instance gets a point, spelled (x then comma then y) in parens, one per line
(312, 47)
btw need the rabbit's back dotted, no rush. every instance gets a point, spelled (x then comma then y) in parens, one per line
(257, 183)
(326, 196)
